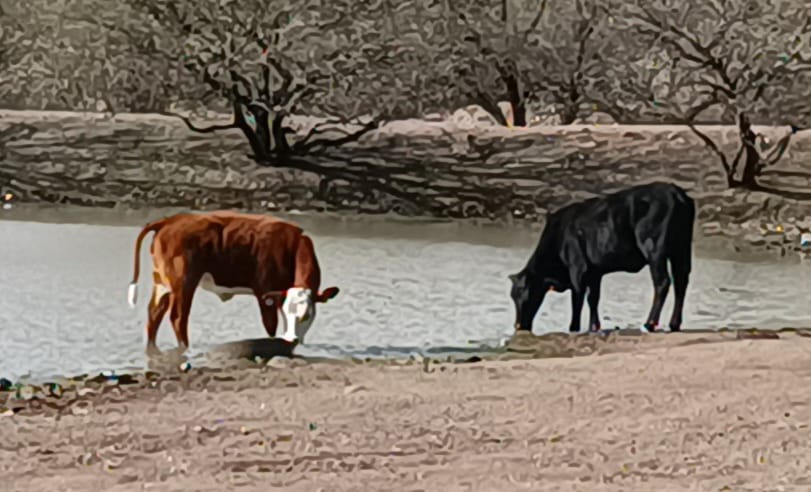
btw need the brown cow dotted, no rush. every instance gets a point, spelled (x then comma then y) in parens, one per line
(229, 254)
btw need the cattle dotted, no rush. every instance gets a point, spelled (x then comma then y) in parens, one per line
(648, 224)
(230, 254)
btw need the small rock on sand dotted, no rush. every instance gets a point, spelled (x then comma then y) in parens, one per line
(712, 228)
(354, 388)
(279, 362)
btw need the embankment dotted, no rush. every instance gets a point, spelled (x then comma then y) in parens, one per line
(486, 173)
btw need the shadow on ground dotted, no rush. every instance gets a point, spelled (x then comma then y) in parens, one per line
(524, 344)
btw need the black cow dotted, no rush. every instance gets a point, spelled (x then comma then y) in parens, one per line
(621, 232)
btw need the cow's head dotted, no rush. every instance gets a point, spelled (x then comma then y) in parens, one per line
(528, 293)
(297, 308)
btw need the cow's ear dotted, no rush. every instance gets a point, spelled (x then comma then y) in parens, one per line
(328, 294)
(274, 298)
(513, 277)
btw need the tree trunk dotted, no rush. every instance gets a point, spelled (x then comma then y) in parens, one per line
(266, 133)
(571, 105)
(569, 114)
(279, 134)
(493, 108)
(751, 165)
(518, 101)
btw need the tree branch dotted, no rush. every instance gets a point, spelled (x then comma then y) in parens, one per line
(308, 147)
(712, 146)
(238, 78)
(780, 149)
(286, 75)
(735, 163)
(729, 169)
(201, 129)
(537, 20)
(701, 55)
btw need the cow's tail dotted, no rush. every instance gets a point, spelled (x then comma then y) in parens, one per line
(132, 292)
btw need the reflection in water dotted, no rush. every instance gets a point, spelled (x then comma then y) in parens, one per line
(63, 298)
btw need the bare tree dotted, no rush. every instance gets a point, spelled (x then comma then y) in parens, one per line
(82, 55)
(570, 45)
(335, 61)
(118, 62)
(749, 59)
(522, 52)
(484, 38)
(15, 39)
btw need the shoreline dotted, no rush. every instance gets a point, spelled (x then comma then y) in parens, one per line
(259, 354)
(740, 244)
(509, 177)
(709, 412)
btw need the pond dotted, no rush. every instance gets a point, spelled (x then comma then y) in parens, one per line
(406, 288)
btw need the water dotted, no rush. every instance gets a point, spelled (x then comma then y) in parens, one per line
(405, 288)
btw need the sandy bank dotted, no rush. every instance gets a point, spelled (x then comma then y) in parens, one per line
(663, 412)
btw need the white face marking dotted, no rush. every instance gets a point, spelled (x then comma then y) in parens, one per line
(297, 314)
(224, 293)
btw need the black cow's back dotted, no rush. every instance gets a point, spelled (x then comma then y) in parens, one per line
(622, 230)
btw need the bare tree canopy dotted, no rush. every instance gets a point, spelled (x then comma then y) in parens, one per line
(744, 59)
(520, 51)
(337, 61)
(298, 57)
(82, 54)
(355, 65)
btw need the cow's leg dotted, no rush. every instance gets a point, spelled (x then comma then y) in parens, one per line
(158, 304)
(661, 284)
(181, 308)
(270, 318)
(578, 296)
(593, 300)
(681, 277)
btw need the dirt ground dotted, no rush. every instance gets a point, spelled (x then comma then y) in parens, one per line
(654, 412)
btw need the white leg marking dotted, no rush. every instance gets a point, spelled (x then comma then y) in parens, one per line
(161, 290)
